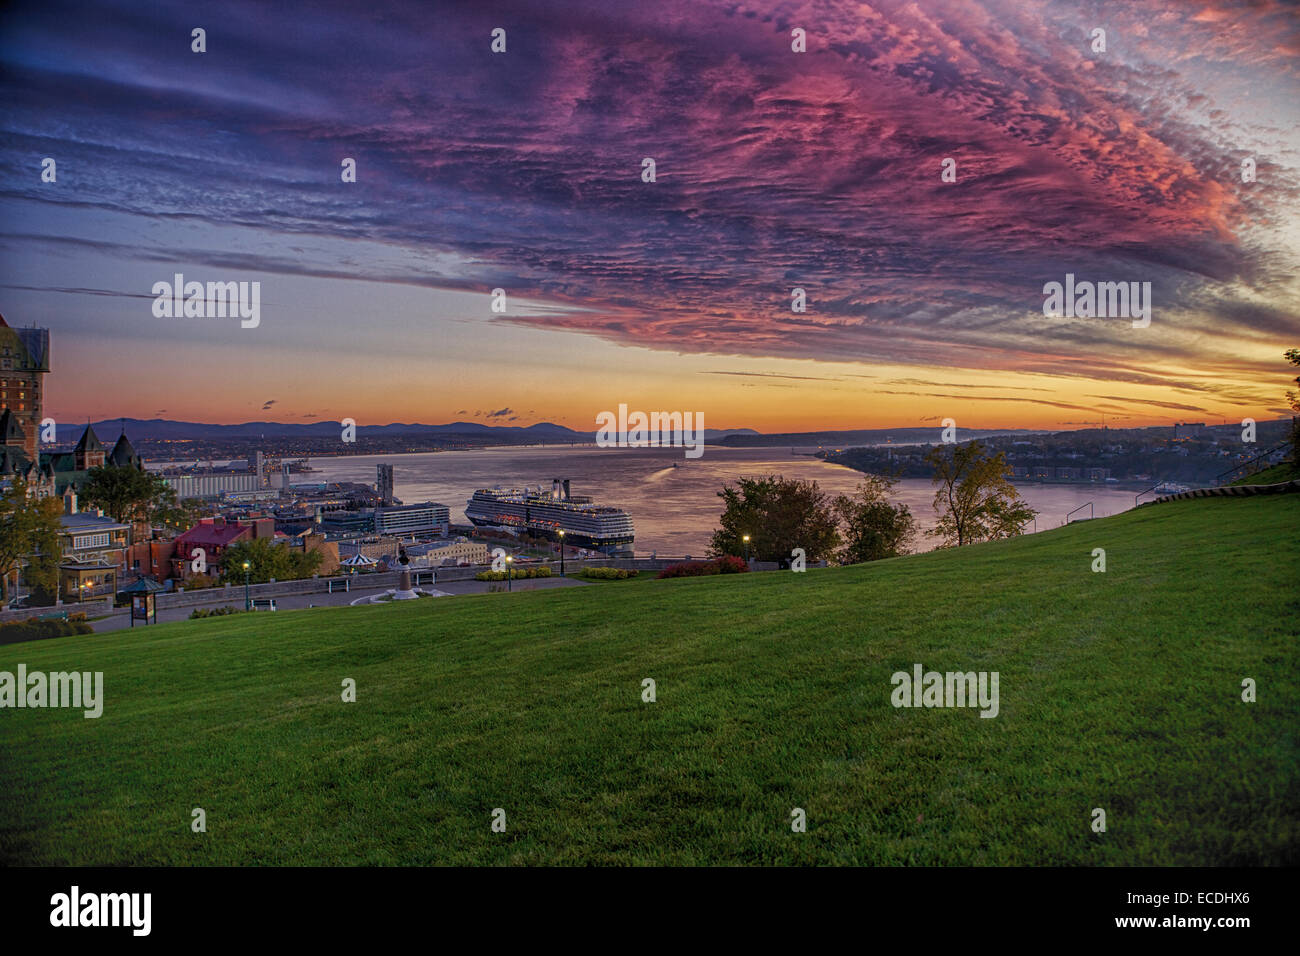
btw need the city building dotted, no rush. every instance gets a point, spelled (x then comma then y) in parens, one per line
(15, 465)
(24, 360)
(213, 536)
(93, 548)
(375, 547)
(427, 519)
(151, 558)
(214, 485)
(459, 550)
(384, 485)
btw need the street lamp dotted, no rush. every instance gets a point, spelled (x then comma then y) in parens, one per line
(247, 603)
(561, 554)
(510, 573)
(746, 540)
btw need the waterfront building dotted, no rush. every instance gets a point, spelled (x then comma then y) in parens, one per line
(213, 486)
(429, 518)
(384, 484)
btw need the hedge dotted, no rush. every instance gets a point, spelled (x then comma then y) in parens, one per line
(608, 574)
(517, 574)
(37, 630)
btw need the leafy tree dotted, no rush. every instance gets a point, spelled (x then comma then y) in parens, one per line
(1293, 399)
(129, 495)
(779, 514)
(267, 560)
(29, 532)
(974, 500)
(874, 528)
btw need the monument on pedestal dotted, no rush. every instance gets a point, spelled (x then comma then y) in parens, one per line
(404, 591)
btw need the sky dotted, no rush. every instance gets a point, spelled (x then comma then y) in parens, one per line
(775, 170)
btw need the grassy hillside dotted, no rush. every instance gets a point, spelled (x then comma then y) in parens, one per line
(1284, 471)
(1119, 690)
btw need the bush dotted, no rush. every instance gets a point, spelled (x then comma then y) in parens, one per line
(202, 612)
(37, 630)
(519, 574)
(727, 564)
(608, 574)
(730, 564)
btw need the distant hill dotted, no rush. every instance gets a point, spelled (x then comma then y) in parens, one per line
(160, 429)
(864, 436)
(156, 429)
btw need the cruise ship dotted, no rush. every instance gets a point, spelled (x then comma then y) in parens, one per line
(546, 513)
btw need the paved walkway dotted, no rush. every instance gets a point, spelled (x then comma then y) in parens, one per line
(288, 602)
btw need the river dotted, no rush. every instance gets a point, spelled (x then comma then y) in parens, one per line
(674, 509)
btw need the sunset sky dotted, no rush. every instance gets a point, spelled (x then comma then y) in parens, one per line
(775, 170)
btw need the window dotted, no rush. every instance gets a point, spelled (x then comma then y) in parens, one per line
(90, 541)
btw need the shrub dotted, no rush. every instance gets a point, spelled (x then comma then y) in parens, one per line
(730, 564)
(608, 574)
(727, 564)
(519, 574)
(37, 630)
(202, 612)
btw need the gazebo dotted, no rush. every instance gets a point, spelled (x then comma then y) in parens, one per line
(142, 594)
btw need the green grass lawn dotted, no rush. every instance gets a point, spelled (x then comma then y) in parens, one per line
(1119, 690)
(1284, 471)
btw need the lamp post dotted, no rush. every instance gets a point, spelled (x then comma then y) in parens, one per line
(561, 554)
(746, 540)
(510, 573)
(247, 602)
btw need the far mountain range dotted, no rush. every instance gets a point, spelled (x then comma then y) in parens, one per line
(158, 429)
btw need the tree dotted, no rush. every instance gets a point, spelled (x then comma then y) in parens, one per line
(266, 561)
(129, 495)
(779, 514)
(29, 531)
(1293, 399)
(974, 500)
(874, 528)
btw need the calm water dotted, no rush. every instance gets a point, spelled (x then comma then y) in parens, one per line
(675, 510)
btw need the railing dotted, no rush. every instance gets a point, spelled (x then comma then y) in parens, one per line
(1138, 496)
(1086, 504)
(1219, 479)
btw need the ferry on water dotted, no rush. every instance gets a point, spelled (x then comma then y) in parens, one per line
(547, 513)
